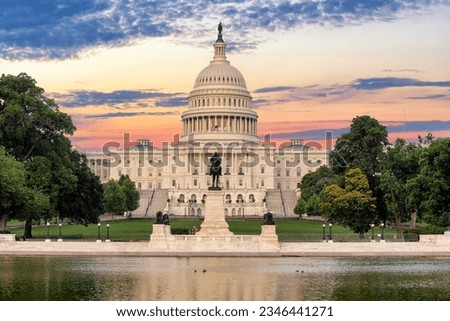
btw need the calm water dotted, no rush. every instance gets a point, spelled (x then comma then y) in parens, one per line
(105, 278)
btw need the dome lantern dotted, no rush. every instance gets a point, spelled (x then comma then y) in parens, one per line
(219, 45)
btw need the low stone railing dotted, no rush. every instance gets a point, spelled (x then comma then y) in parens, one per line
(7, 237)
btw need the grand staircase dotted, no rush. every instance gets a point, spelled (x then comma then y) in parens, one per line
(157, 202)
(289, 198)
(143, 203)
(274, 203)
(281, 202)
(151, 201)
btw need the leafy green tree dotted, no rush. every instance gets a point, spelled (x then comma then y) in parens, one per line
(12, 184)
(34, 130)
(399, 166)
(114, 200)
(83, 203)
(16, 199)
(431, 187)
(29, 121)
(352, 206)
(311, 186)
(363, 147)
(131, 193)
(314, 182)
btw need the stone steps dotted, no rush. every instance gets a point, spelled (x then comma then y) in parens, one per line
(274, 203)
(157, 202)
(289, 201)
(144, 199)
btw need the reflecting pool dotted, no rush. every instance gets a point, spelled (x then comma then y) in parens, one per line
(135, 278)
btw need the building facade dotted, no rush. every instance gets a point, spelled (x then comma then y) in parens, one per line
(256, 176)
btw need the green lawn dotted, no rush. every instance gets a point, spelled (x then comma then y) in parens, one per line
(140, 230)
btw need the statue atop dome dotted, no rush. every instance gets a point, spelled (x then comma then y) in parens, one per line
(219, 36)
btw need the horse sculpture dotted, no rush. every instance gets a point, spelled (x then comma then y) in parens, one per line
(215, 170)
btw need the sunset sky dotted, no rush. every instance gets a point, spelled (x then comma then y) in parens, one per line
(311, 65)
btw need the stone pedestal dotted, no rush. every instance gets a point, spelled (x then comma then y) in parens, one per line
(268, 241)
(214, 223)
(158, 239)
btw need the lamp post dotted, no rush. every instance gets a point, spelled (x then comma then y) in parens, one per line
(373, 235)
(382, 232)
(107, 233)
(48, 233)
(98, 233)
(60, 234)
(323, 233)
(330, 238)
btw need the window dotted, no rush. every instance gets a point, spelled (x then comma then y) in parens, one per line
(159, 173)
(251, 198)
(195, 182)
(288, 186)
(174, 183)
(181, 198)
(119, 172)
(278, 172)
(263, 169)
(299, 172)
(139, 171)
(262, 183)
(240, 182)
(174, 169)
(139, 185)
(288, 172)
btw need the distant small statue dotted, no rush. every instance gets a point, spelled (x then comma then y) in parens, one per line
(159, 218)
(219, 28)
(268, 219)
(165, 219)
(215, 170)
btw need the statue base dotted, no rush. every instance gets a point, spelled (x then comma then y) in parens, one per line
(214, 223)
(217, 188)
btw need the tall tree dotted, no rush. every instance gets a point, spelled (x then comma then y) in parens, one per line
(33, 129)
(114, 200)
(83, 203)
(311, 186)
(432, 186)
(399, 166)
(29, 121)
(363, 147)
(352, 206)
(131, 193)
(17, 200)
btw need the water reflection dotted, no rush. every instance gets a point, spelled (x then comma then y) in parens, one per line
(106, 278)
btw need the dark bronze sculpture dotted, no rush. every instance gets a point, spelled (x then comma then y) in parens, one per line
(268, 219)
(159, 217)
(220, 27)
(215, 171)
(165, 219)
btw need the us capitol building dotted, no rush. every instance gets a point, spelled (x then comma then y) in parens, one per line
(256, 176)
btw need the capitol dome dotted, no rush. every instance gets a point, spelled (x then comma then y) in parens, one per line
(220, 102)
(220, 74)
